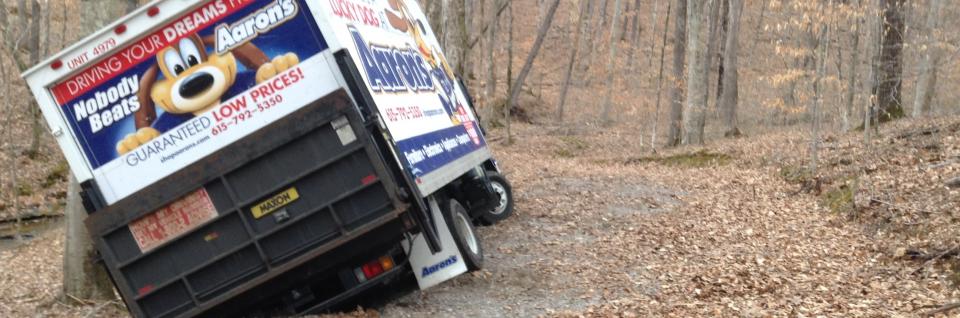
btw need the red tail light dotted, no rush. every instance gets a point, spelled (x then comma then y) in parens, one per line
(372, 269)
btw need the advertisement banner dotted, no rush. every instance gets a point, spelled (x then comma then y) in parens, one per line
(410, 80)
(198, 83)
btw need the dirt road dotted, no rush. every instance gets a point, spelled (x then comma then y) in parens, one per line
(603, 230)
(606, 230)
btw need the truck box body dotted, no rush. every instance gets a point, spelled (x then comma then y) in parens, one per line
(229, 148)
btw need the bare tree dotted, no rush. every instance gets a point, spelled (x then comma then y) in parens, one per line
(8, 117)
(653, 29)
(635, 23)
(875, 50)
(730, 90)
(759, 27)
(656, 113)
(605, 116)
(850, 93)
(45, 50)
(713, 43)
(927, 83)
(467, 26)
(723, 25)
(823, 42)
(573, 59)
(627, 13)
(491, 85)
(696, 102)
(83, 278)
(509, 45)
(588, 45)
(36, 128)
(528, 64)
(890, 69)
(675, 132)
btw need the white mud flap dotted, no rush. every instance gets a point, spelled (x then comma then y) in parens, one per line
(433, 269)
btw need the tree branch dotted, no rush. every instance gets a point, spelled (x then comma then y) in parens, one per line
(942, 309)
(939, 256)
(485, 27)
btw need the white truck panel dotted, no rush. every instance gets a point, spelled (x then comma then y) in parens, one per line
(431, 269)
(92, 95)
(405, 71)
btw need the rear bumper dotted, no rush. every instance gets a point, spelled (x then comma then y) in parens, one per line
(318, 280)
(377, 281)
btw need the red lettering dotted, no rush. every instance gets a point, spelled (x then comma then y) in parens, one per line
(229, 109)
(355, 12)
(66, 91)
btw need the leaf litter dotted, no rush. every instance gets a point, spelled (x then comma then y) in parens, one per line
(599, 233)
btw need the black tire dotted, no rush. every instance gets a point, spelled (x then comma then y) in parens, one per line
(503, 208)
(464, 234)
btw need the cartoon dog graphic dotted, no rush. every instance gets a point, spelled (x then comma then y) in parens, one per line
(400, 18)
(193, 82)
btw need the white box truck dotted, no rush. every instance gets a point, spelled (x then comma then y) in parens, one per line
(270, 157)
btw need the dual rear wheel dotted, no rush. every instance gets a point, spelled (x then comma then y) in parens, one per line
(461, 225)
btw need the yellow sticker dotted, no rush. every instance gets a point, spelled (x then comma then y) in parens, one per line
(275, 203)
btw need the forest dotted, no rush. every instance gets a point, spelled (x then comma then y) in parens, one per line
(675, 158)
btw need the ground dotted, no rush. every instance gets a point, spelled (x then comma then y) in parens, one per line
(739, 228)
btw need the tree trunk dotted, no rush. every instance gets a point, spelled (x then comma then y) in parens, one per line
(467, 26)
(821, 56)
(450, 20)
(528, 64)
(82, 278)
(63, 26)
(627, 12)
(36, 128)
(852, 75)
(759, 28)
(635, 23)
(5, 32)
(876, 52)
(653, 29)
(23, 29)
(607, 104)
(634, 40)
(602, 15)
(509, 46)
(890, 70)
(656, 114)
(45, 50)
(721, 38)
(730, 91)
(573, 60)
(8, 140)
(479, 35)
(713, 44)
(927, 82)
(674, 134)
(696, 101)
(491, 85)
(433, 9)
(586, 46)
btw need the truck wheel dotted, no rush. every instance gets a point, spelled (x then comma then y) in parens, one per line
(464, 234)
(503, 208)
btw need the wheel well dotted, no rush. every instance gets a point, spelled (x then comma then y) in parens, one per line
(489, 165)
(471, 191)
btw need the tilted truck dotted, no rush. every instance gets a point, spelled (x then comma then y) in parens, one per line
(270, 157)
